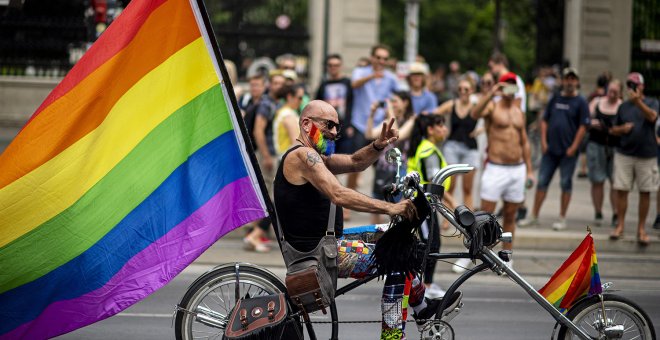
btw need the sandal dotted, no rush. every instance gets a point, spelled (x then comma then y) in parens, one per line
(616, 235)
(643, 241)
(250, 244)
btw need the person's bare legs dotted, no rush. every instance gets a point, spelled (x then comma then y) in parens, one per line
(622, 207)
(565, 201)
(488, 206)
(453, 186)
(539, 197)
(614, 200)
(597, 196)
(583, 164)
(644, 198)
(468, 181)
(510, 210)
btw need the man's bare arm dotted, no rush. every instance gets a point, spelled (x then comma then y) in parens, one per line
(649, 114)
(573, 149)
(366, 156)
(311, 168)
(483, 108)
(620, 130)
(544, 136)
(259, 132)
(527, 150)
(357, 83)
(358, 161)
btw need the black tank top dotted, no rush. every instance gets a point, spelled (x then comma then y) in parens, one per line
(601, 136)
(461, 128)
(303, 211)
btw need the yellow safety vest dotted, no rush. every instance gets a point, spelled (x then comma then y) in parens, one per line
(424, 150)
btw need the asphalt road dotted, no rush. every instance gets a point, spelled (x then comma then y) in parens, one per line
(494, 308)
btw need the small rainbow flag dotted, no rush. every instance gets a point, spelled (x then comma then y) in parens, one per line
(133, 166)
(577, 277)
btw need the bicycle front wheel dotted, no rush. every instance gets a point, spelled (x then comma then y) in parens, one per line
(619, 311)
(204, 309)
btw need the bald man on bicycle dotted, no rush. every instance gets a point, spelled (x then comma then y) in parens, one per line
(305, 186)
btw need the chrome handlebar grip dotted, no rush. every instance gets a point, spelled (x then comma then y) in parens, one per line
(450, 170)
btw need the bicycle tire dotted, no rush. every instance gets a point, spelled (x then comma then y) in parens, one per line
(637, 323)
(221, 281)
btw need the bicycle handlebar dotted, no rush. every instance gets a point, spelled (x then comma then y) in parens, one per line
(451, 170)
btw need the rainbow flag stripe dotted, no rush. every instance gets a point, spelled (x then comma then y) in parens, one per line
(133, 166)
(577, 277)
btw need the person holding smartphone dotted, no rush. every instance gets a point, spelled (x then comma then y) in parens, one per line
(509, 167)
(635, 157)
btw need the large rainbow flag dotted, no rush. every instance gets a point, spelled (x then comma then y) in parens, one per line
(577, 277)
(132, 167)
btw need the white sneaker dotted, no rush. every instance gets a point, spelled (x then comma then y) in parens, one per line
(509, 264)
(529, 222)
(559, 225)
(434, 292)
(461, 265)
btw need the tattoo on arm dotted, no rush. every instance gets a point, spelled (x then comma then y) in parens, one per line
(313, 158)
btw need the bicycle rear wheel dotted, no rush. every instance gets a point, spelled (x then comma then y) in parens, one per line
(619, 311)
(205, 308)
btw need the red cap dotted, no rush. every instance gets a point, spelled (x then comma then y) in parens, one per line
(509, 77)
(636, 78)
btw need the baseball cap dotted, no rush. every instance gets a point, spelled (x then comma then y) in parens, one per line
(508, 77)
(570, 71)
(636, 78)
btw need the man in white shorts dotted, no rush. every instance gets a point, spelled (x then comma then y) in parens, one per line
(508, 168)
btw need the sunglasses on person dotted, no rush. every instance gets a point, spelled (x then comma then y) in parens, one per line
(463, 89)
(329, 124)
(334, 64)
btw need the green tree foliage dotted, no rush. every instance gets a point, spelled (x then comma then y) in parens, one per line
(257, 12)
(463, 31)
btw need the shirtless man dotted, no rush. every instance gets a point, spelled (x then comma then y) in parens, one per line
(508, 169)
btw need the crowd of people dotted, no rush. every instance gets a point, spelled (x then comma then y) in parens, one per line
(614, 129)
(490, 121)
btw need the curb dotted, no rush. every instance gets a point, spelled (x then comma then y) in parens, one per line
(543, 239)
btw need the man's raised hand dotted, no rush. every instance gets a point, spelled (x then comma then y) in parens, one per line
(388, 135)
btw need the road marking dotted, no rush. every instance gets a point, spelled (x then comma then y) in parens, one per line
(145, 315)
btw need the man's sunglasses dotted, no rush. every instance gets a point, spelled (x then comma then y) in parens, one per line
(328, 123)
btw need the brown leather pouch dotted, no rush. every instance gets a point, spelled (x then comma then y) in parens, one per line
(261, 317)
(307, 290)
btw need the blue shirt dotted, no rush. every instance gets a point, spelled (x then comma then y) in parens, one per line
(374, 90)
(564, 115)
(266, 108)
(427, 101)
(640, 141)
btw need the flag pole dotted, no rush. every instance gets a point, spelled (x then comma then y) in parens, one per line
(241, 123)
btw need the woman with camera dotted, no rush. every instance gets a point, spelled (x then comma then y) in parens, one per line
(399, 107)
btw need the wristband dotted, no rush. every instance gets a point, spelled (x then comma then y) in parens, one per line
(375, 148)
